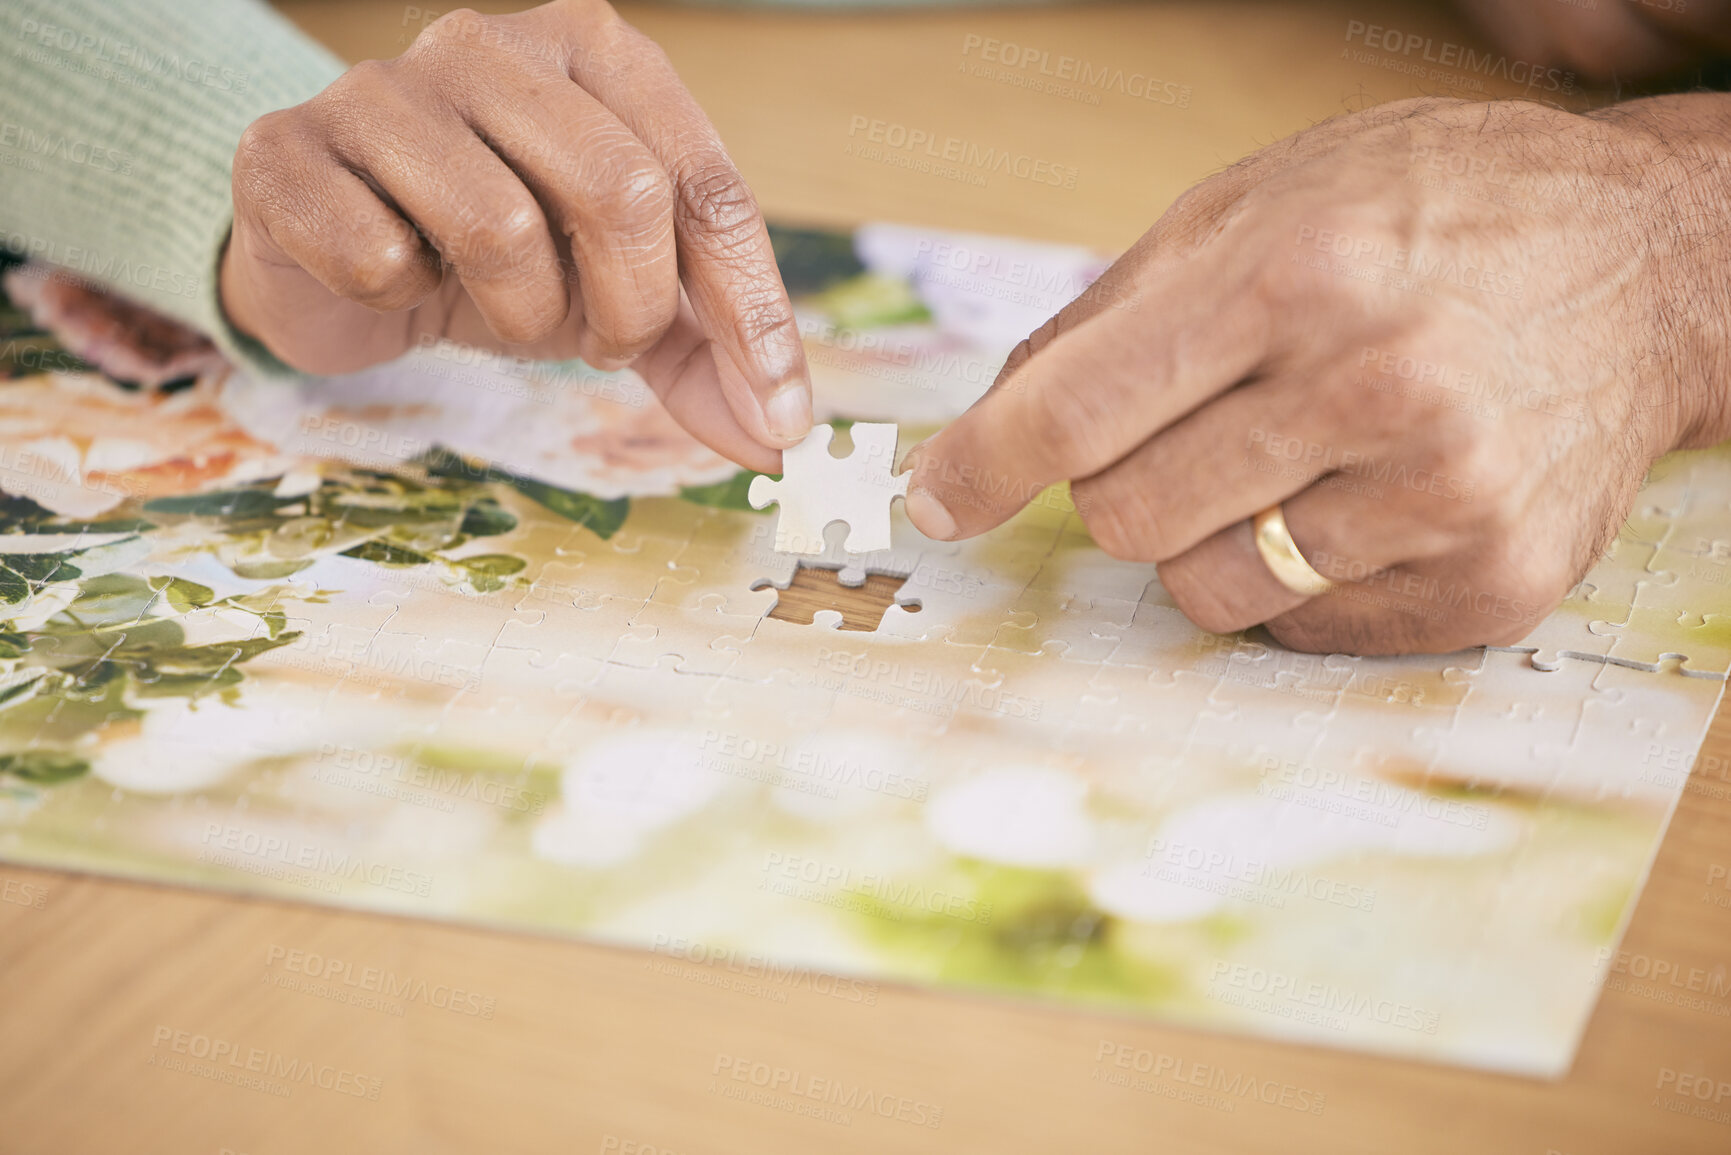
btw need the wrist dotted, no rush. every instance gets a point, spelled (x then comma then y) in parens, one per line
(1677, 166)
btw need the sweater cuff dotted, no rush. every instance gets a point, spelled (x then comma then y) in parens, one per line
(118, 125)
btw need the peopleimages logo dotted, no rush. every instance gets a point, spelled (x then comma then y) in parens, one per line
(877, 139)
(24, 139)
(258, 1068)
(1074, 77)
(119, 59)
(1278, 990)
(295, 860)
(789, 1089)
(1220, 1087)
(1374, 254)
(376, 980)
(1465, 59)
(73, 262)
(763, 969)
(832, 884)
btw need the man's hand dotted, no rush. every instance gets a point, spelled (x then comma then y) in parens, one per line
(539, 183)
(1450, 337)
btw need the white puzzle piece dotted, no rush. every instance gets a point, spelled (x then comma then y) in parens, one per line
(817, 489)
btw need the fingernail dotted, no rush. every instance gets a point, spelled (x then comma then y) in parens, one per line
(929, 515)
(788, 412)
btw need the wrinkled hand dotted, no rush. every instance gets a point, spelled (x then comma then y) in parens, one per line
(538, 183)
(1450, 337)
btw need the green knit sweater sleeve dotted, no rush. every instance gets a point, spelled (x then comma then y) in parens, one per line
(118, 124)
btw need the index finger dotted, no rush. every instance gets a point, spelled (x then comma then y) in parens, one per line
(1092, 394)
(725, 259)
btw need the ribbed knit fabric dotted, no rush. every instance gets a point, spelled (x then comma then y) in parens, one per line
(118, 123)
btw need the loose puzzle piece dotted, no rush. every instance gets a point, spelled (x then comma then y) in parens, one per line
(818, 488)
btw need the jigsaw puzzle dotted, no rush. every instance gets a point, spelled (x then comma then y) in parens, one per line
(465, 640)
(819, 488)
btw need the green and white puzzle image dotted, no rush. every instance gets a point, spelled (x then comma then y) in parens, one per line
(480, 640)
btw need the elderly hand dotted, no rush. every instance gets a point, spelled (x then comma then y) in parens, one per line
(1450, 337)
(538, 183)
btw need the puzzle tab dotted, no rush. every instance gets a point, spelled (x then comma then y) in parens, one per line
(817, 488)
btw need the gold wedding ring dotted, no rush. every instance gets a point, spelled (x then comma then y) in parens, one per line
(1280, 553)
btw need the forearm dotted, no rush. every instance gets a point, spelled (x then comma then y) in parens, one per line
(118, 123)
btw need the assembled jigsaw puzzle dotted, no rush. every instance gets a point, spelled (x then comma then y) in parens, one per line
(473, 639)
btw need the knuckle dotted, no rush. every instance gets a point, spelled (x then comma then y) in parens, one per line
(1279, 285)
(1069, 427)
(362, 82)
(1205, 599)
(360, 99)
(761, 313)
(260, 151)
(715, 201)
(1318, 250)
(499, 244)
(1509, 565)
(1121, 520)
(633, 196)
(1295, 633)
(638, 331)
(628, 323)
(1370, 405)
(1486, 461)
(520, 228)
(529, 323)
(612, 37)
(459, 27)
(1475, 476)
(1311, 629)
(378, 277)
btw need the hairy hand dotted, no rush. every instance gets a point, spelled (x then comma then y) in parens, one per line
(541, 184)
(1450, 337)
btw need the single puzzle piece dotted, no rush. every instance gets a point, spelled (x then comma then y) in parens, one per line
(1158, 633)
(1059, 623)
(1092, 578)
(702, 639)
(559, 616)
(1642, 730)
(724, 556)
(818, 488)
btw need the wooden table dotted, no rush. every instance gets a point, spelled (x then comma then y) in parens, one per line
(592, 1049)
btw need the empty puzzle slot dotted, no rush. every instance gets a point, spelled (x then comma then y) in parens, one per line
(813, 588)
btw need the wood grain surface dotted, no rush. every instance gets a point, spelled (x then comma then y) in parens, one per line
(593, 1049)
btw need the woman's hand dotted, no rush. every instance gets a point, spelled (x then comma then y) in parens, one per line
(1450, 337)
(538, 183)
